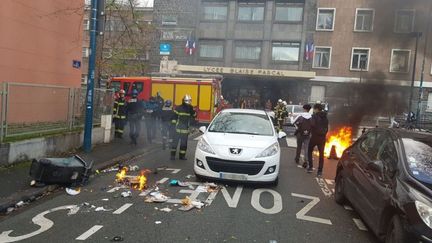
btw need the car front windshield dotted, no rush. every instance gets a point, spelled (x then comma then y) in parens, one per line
(419, 159)
(242, 123)
(298, 109)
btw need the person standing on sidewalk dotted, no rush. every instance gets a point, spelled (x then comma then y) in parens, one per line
(303, 126)
(135, 110)
(119, 112)
(183, 116)
(150, 119)
(167, 115)
(319, 124)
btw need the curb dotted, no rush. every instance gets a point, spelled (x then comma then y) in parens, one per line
(33, 194)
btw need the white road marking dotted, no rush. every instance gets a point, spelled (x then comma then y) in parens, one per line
(291, 141)
(324, 188)
(40, 220)
(89, 232)
(114, 189)
(174, 171)
(302, 213)
(232, 201)
(330, 182)
(360, 225)
(348, 208)
(162, 181)
(122, 208)
(211, 197)
(277, 203)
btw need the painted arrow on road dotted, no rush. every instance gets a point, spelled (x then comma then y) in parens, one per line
(40, 220)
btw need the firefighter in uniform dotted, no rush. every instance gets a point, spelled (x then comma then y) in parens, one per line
(183, 115)
(119, 114)
(167, 115)
(280, 114)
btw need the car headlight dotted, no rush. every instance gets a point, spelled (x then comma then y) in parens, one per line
(204, 146)
(425, 213)
(270, 151)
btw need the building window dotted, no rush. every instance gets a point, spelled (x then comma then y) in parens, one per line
(83, 78)
(286, 51)
(325, 19)
(248, 51)
(86, 24)
(400, 61)
(317, 93)
(286, 13)
(429, 103)
(169, 20)
(211, 50)
(322, 57)
(360, 59)
(251, 11)
(404, 21)
(215, 12)
(364, 20)
(85, 52)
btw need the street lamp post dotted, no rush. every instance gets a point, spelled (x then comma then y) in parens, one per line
(417, 36)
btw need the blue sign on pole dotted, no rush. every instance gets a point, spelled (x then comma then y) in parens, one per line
(165, 49)
(76, 64)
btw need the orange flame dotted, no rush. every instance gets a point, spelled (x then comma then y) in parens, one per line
(142, 181)
(341, 139)
(120, 176)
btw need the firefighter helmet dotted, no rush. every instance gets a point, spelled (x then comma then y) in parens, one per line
(279, 101)
(122, 91)
(187, 99)
(284, 103)
(168, 103)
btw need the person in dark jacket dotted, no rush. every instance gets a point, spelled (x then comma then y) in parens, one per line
(135, 109)
(119, 113)
(167, 115)
(319, 124)
(150, 119)
(303, 132)
(183, 115)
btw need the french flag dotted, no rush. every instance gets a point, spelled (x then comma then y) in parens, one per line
(190, 47)
(309, 50)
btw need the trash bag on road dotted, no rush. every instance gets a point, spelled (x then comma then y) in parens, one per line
(73, 170)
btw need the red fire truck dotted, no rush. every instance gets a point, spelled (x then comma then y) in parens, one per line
(204, 90)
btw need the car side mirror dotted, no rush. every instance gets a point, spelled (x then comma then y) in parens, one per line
(281, 135)
(377, 166)
(203, 129)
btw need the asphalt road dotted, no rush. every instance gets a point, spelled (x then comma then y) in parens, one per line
(300, 209)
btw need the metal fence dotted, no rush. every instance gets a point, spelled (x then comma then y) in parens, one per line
(36, 109)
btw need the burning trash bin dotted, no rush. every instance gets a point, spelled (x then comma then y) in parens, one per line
(72, 171)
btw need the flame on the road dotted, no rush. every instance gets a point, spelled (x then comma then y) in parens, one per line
(340, 138)
(142, 179)
(120, 176)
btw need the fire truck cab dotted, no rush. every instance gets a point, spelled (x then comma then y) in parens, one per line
(203, 89)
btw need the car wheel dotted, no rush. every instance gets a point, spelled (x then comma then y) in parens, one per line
(396, 232)
(339, 189)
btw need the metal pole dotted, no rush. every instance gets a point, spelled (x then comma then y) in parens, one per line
(413, 74)
(88, 127)
(420, 97)
(3, 111)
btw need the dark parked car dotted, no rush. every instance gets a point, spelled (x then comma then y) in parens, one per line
(387, 176)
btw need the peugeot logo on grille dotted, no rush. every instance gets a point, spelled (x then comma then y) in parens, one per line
(235, 151)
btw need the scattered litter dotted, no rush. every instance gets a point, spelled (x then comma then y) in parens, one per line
(10, 210)
(189, 176)
(19, 204)
(73, 210)
(126, 194)
(133, 167)
(201, 189)
(102, 209)
(158, 222)
(189, 204)
(73, 192)
(179, 183)
(166, 210)
(117, 238)
(156, 197)
(33, 182)
(186, 208)
(105, 199)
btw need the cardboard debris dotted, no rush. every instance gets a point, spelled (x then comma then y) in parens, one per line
(189, 204)
(126, 194)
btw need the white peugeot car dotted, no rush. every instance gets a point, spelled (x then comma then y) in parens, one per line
(239, 145)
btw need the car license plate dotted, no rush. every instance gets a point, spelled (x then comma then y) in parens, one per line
(230, 176)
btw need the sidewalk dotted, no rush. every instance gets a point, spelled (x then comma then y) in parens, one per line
(15, 181)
